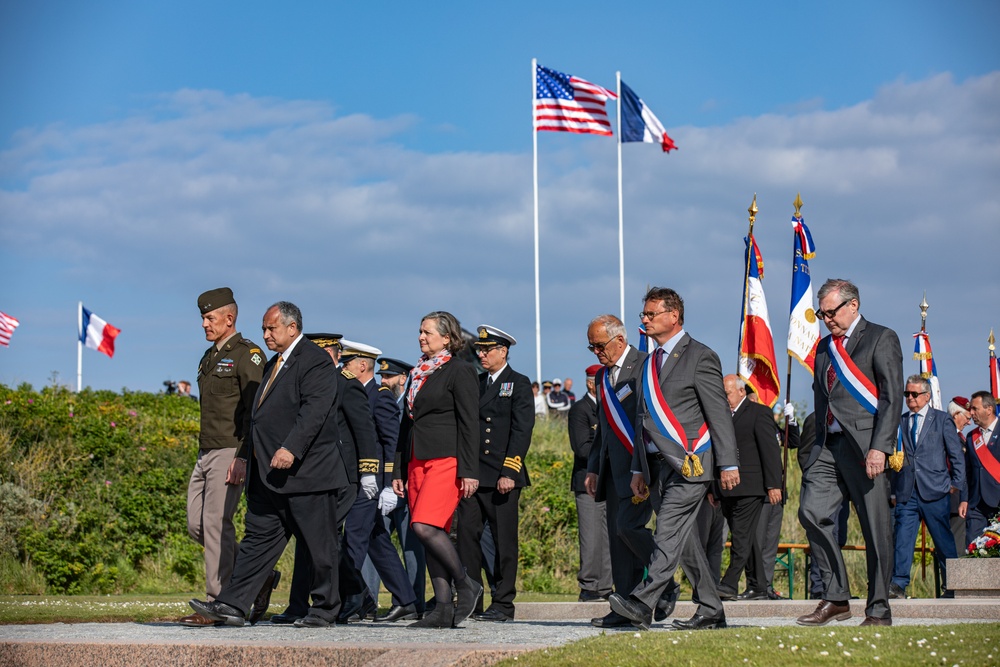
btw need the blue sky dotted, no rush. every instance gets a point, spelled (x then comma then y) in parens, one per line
(372, 162)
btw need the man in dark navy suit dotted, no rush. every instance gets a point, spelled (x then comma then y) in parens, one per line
(933, 470)
(298, 474)
(506, 418)
(982, 454)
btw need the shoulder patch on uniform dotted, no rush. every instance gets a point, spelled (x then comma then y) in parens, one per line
(256, 358)
(383, 389)
(348, 374)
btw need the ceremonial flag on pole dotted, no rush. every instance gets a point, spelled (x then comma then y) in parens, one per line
(97, 334)
(639, 123)
(7, 326)
(803, 327)
(565, 103)
(757, 362)
(928, 369)
(643, 340)
(994, 372)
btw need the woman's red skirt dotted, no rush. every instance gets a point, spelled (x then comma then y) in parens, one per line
(432, 491)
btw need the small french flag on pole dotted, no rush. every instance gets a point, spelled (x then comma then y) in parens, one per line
(97, 334)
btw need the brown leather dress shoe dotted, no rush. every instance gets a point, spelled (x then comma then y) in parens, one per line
(875, 620)
(826, 611)
(196, 621)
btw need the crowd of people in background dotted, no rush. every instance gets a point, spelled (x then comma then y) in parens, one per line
(438, 453)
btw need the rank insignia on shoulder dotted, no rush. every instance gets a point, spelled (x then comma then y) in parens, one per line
(506, 389)
(255, 358)
(383, 389)
(348, 374)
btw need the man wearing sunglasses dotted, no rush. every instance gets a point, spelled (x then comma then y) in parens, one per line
(933, 470)
(858, 394)
(609, 468)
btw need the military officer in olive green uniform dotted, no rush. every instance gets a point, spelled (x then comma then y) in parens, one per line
(228, 376)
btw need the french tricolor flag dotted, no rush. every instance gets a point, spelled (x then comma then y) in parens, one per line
(97, 334)
(639, 123)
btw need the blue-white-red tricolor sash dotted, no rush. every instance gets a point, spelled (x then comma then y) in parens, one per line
(859, 386)
(663, 417)
(614, 412)
(983, 453)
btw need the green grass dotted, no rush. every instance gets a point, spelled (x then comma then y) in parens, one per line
(964, 644)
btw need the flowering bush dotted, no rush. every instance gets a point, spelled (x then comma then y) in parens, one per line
(987, 545)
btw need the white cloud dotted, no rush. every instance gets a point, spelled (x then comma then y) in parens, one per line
(288, 199)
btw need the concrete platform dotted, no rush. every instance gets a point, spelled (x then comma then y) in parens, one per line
(539, 625)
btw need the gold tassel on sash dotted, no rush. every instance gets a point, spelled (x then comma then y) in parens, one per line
(694, 466)
(896, 460)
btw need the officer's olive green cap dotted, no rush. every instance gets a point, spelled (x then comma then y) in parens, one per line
(215, 298)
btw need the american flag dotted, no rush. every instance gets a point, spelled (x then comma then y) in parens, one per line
(7, 326)
(565, 103)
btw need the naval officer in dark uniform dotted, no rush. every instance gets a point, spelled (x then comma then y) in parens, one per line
(228, 376)
(506, 418)
(364, 533)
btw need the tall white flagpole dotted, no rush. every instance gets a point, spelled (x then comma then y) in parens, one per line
(538, 309)
(79, 347)
(621, 225)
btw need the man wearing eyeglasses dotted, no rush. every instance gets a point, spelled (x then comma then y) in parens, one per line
(857, 391)
(933, 470)
(684, 439)
(506, 418)
(609, 467)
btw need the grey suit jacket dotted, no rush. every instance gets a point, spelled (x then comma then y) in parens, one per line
(691, 382)
(608, 455)
(875, 350)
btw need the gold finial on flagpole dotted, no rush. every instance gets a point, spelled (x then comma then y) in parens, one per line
(923, 312)
(992, 341)
(753, 212)
(798, 204)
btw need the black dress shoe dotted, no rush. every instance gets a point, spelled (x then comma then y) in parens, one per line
(219, 611)
(312, 621)
(285, 618)
(356, 608)
(875, 620)
(590, 596)
(494, 615)
(896, 592)
(263, 599)
(773, 594)
(611, 620)
(752, 594)
(699, 622)
(727, 594)
(399, 613)
(639, 614)
(665, 605)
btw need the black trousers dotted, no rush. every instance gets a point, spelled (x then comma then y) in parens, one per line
(501, 511)
(743, 513)
(270, 520)
(348, 583)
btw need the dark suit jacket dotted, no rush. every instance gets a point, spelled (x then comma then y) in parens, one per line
(443, 422)
(506, 418)
(875, 350)
(385, 411)
(935, 463)
(299, 414)
(608, 456)
(982, 486)
(357, 428)
(760, 459)
(691, 382)
(582, 428)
